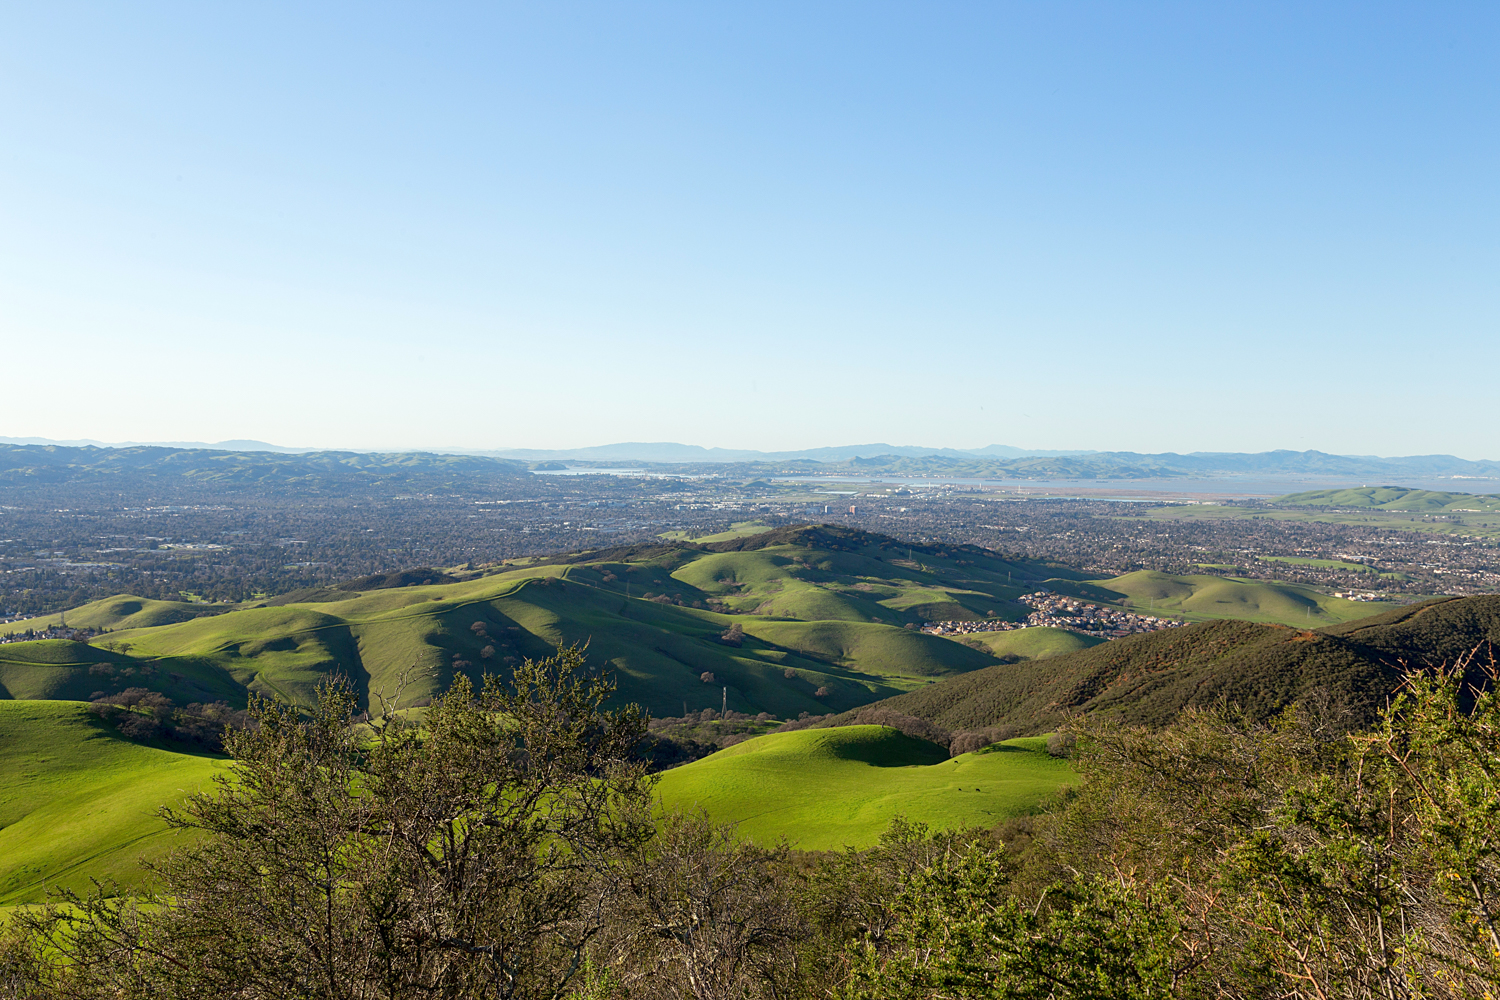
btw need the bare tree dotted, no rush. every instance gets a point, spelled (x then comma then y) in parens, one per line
(709, 917)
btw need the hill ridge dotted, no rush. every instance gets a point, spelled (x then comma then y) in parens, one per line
(1260, 668)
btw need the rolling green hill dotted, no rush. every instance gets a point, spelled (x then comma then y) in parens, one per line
(1260, 668)
(1033, 643)
(1395, 498)
(1204, 598)
(822, 610)
(80, 801)
(823, 789)
(125, 611)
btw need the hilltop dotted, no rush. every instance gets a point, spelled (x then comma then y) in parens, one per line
(820, 613)
(1395, 498)
(826, 619)
(1259, 668)
(825, 789)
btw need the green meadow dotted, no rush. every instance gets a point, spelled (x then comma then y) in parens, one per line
(1206, 598)
(1396, 498)
(824, 789)
(1033, 643)
(825, 615)
(80, 801)
(825, 620)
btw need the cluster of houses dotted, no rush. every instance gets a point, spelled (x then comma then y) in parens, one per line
(1057, 611)
(50, 632)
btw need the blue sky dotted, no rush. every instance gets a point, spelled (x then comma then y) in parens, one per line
(1206, 226)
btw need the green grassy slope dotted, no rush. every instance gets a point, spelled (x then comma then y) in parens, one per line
(658, 652)
(78, 800)
(823, 789)
(1261, 668)
(1034, 643)
(1205, 598)
(821, 607)
(124, 611)
(1394, 498)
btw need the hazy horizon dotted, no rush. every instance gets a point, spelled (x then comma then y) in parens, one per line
(502, 449)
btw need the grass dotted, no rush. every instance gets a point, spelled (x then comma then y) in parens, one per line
(1455, 520)
(1396, 498)
(423, 637)
(1036, 643)
(1210, 598)
(1324, 563)
(824, 789)
(81, 801)
(123, 611)
(822, 610)
(739, 529)
(1251, 668)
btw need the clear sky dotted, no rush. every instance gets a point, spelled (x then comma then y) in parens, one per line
(1143, 226)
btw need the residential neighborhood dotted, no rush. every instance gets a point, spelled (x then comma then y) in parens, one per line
(1058, 611)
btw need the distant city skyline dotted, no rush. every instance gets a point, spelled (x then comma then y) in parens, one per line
(1106, 226)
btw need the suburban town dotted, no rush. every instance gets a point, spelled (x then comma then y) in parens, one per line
(1058, 611)
(50, 632)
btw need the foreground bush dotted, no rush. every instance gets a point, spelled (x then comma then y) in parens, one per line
(470, 857)
(505, 850)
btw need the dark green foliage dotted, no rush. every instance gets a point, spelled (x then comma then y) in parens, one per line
(404, 578)
(141, 714)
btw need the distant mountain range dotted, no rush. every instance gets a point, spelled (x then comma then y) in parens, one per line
(216, 446)
(659, 451)
(670, 452)
(246, 461)
(318, 472)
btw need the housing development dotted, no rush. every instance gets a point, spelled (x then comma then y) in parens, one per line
(1058, 611)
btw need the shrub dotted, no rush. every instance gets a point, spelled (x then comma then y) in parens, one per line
(909, 724)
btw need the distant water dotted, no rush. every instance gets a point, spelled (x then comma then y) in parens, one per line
(1226, 487)
(584, 471)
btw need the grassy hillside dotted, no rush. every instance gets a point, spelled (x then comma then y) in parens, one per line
(1260, 668)
(78, 800)
(1206, 598)
(820, 609)
(1394, 498)
(1034, 643)
(823, 789)
(125, 611)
